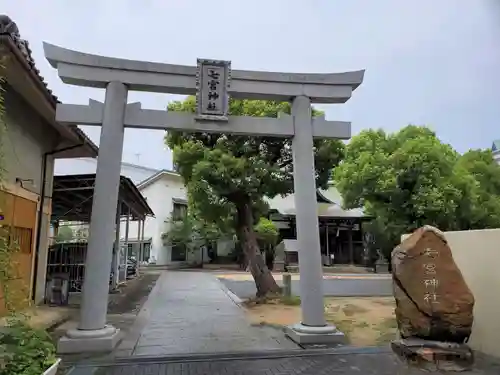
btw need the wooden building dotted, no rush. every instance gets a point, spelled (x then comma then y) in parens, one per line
(341, 231)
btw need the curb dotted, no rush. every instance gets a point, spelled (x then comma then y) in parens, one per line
(296, 277)
(236, 300)
(232, 356)
(59, 322)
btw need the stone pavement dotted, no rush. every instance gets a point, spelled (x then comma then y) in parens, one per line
(346, 361)
(192, 312)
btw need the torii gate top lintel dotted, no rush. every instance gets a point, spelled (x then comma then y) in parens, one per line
(83, 69)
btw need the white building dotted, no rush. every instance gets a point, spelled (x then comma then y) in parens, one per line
(495, 148)
(165, 194)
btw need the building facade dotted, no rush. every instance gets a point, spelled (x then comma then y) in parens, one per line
(31, 142)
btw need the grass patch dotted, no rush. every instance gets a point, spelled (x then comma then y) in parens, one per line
(273, 299)
(388, 330)
(290, 301)
(352, 309)
(384, 302)
(366, 321)
(344, 325)
(362, 325)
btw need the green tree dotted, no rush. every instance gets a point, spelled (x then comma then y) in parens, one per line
(179, 231)
(64, 234)
(266, 231)
(192, 232)
(228, 176)
(479, 176)
(410, 178)
(267, 237)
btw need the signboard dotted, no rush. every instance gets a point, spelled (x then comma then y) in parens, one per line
(212, 80)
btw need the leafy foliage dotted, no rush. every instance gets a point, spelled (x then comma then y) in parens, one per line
(179, 231)
(266, 231)
(12, 289)
(192, 232)
(410, 178)
(26, 350)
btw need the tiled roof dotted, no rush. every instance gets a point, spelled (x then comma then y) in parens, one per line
(9, 28)
(329, 204)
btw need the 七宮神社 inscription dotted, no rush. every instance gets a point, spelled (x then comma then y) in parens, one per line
(213, 79)
(431, 282)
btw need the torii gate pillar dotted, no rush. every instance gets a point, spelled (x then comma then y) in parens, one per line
(213, 82)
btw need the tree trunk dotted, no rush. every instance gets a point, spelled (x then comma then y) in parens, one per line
(264, 280)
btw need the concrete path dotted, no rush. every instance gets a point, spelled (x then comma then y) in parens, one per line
(333, 286)
(192, 312)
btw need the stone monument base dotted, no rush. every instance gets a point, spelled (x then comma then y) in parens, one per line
(434, 355)
(82, 341)
(306, 335)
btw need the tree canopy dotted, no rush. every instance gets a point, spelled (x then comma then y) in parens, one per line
(411, 178)
(228, 176)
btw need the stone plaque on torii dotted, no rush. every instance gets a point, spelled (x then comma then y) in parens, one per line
(212, 81)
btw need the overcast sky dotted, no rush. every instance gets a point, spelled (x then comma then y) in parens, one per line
(427, 61)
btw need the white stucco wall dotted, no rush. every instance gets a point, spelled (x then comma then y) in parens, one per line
(159, 195)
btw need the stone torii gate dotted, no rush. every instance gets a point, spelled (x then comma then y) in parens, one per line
(213, 82)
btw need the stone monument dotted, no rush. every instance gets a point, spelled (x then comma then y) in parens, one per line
(381, 264)
(433, 303)
(279, 257)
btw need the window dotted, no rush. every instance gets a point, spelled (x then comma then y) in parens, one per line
(146, 251)
(130, 250)
(179, 212)
(178, 253)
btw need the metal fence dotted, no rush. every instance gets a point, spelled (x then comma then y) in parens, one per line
(68, 258)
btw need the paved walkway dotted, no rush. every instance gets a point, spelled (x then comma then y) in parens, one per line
(192, 312)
